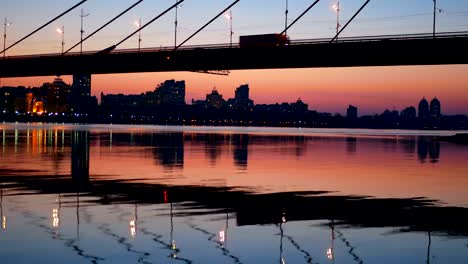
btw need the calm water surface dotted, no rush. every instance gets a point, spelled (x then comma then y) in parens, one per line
(143, 194)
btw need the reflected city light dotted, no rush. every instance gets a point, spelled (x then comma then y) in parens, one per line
(4, 222)
(283, 261)
(55, 218)
(133, 228)
(174, 248)
(222, 236)
(330, 254)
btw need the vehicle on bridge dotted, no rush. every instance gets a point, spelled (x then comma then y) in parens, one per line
(263, 41)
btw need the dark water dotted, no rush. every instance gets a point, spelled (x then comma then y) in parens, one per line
(123, 194)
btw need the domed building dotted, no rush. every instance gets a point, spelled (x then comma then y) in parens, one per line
(423, 110)
(435, 109)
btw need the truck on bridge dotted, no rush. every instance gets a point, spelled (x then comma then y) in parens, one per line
(263, 41)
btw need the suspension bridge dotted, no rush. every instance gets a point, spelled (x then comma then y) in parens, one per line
(436, 48)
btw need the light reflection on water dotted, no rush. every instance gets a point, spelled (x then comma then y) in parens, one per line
(118, 194)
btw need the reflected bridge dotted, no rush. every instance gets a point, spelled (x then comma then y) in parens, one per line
(390, 50)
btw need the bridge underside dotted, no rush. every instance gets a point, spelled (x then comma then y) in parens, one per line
(317, 55)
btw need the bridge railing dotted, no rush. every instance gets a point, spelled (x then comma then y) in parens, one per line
(372, 38)
(417, 36)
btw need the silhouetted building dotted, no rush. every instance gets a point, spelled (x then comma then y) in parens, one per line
(29, 102)
(241, 99)
(215, 99)
(120, 101)
(10, 97)
(81, 86)
(408, 117)
(435, 108)
(58, 96)
(170, 92)
(423, 112)
(408, 113)
(299, 106)
(435, 111)
(352, 112)
(80, 99)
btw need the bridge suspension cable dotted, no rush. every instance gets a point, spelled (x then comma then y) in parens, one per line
(298, 18)
(349, 21)
(207, 24)
(45, 25)
(111, 48)
(105, 25)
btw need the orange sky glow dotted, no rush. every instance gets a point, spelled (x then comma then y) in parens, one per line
(372, 89)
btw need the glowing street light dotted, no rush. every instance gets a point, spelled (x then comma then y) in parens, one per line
(61, 31)
(228, 16)
(138, 25)
(337, 9)
(5, 26)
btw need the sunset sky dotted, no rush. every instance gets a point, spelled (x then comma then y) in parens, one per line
(371, 89)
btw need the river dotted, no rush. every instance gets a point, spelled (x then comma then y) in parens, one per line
(159, 194)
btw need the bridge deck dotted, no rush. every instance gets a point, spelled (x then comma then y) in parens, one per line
(390, 50)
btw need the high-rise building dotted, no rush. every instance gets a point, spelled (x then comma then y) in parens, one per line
(12, 99)
(81, 86)
(80, 98)
(170, 92)
(352, 112)
(241, 98)
(435, 109)
(408, 114)
(58, 96)
(29, 102)
(423, 110)
(242, 95)
(435, 113)
(215, 99)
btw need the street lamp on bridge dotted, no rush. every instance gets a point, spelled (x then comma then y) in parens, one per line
(286, 19)
(82, 16)
(435, 14)
(138, 25)
(337, 9)
(176, 23)
(231, 33)
(5, 26)
(61, 31)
